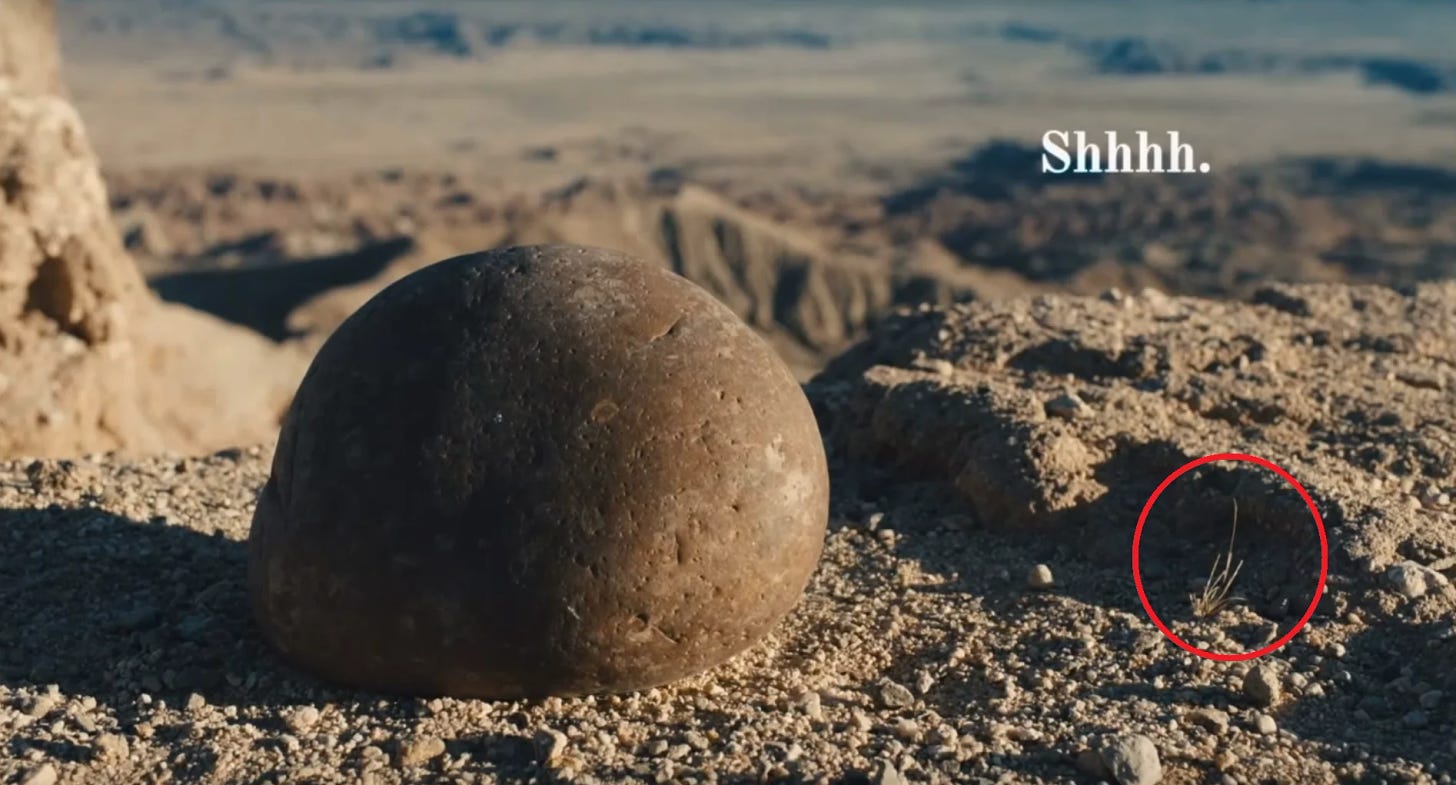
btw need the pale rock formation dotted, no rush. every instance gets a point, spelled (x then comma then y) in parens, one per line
(89, 360)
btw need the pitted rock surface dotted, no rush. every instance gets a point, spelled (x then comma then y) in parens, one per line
(542, 470)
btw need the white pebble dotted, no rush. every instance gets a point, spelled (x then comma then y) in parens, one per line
(1040, 577)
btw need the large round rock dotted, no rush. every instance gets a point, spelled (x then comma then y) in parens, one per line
(545, 470)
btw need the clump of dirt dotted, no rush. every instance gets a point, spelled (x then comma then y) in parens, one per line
(1057, 417)
(1060, 410)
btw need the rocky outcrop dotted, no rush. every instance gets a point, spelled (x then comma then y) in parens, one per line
(808, 302)
(29, 59)
(1064, 414)
(62, 260)
(774, 278)
(89, 361)
(771, 277)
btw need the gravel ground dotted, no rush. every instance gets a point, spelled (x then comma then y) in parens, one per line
(921, 652)
(935, 644)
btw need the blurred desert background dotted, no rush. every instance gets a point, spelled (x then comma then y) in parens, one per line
(814, 164)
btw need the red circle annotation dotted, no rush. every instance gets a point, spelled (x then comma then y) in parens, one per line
(1137, 538)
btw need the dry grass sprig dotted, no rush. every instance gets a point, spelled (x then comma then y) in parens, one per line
(1221, 577)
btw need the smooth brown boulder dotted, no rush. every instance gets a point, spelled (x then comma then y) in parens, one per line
(540, 470)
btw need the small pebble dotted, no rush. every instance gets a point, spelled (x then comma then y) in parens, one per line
(1068, 407)
(42, 706)
(1132, 760)
(939, 366)
(1040, 577)
(1212, 719)
(302, 719)
(110, 746)
(887, 774)
(811, 704)
(45, 775)
(1412, 580)
(1261, 685)
(550, 746)
(907, 731)
(1265, 724)
(892, 695)
(419, 750)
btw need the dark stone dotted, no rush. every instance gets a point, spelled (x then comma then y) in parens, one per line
(545, 470)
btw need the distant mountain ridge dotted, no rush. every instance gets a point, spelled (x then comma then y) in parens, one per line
(1137, 55)
(382, 35)
(377, 35)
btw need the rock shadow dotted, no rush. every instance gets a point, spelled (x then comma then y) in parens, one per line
(261, 298)
(1389, 699)
(102, 605)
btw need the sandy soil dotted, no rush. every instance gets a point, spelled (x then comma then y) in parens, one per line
(930, 645)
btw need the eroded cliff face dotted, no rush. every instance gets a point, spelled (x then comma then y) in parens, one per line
(808, 301)
(89, 361)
